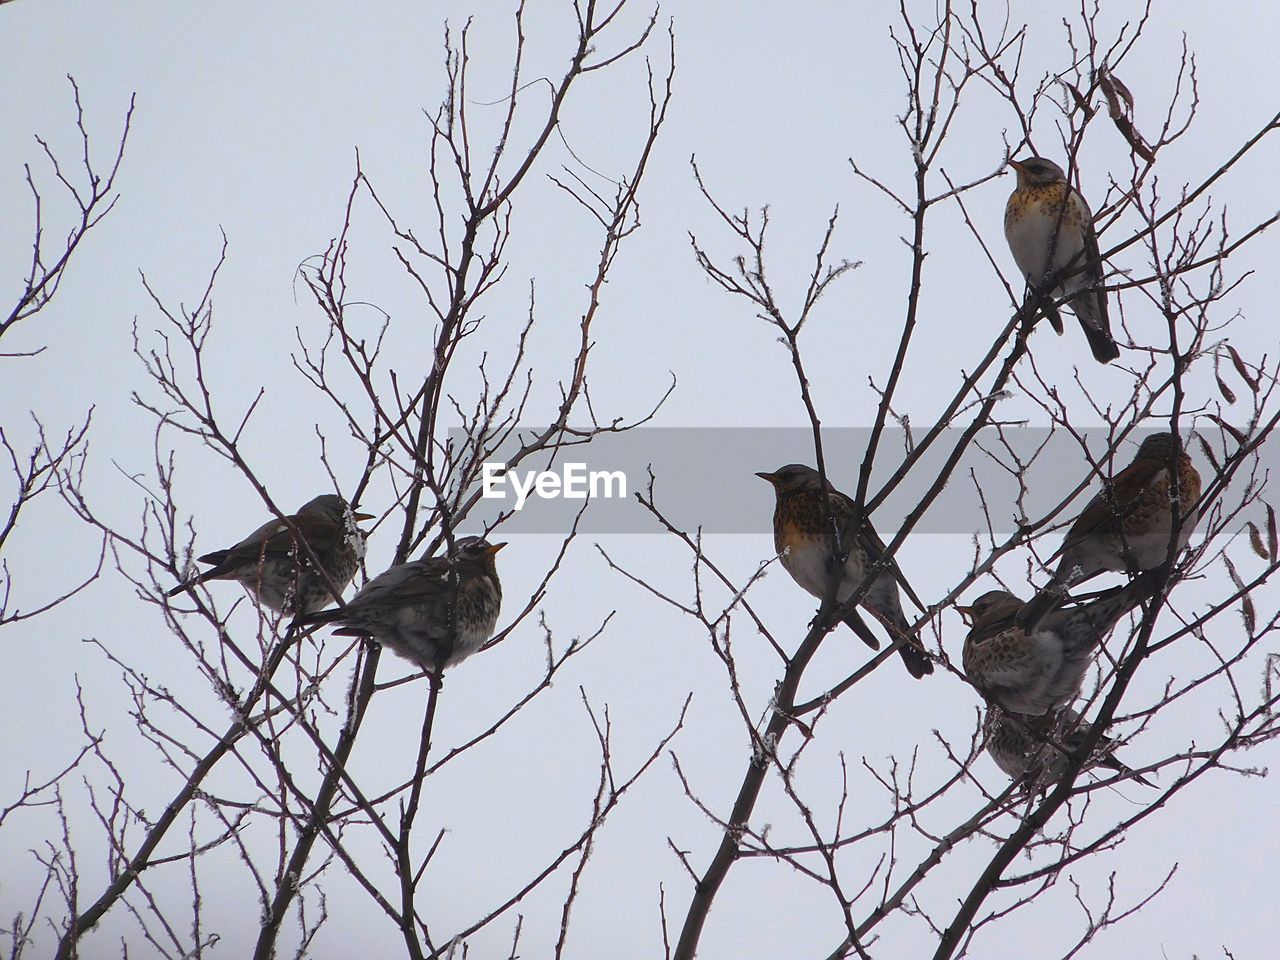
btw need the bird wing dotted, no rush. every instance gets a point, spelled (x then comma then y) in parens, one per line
(1104, 611)
(1125, 489)
(859, 626)
(875, 550)
(980, 634)
(845, 509)
(274, 541)
(321, 533)
(246, 550)
(1093, 263)
(406, 583)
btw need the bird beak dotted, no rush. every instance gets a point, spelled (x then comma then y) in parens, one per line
(966, 614)
(494, 548)
(1016, 164)
(361, 517)
(772, 478)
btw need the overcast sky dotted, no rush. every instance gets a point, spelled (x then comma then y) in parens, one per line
(248, 121)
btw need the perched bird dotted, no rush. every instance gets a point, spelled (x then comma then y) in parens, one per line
(1037, 749)
(1050, 231)
(1036, 672)
(279, 571)
(435, 612)
(1127, 526)
(802, 537)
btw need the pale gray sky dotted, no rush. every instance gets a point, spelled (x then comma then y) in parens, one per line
(248, 118)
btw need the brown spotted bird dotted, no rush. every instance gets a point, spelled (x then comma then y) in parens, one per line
(1036, 672)
(281, 572)
(803, 539)
(434, 612)
(1038, 749)
(1127, 526)
(1050, 232)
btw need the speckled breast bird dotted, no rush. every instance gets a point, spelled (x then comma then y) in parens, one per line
(279, 572)
(1050, 229)
(1128, 529)
(434, 612)
(1037, 749)
(802, 537)
(1036, 672)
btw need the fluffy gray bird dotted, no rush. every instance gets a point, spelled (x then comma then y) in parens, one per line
(434, 612)
(1037, 749)
(279, 571)
(1038, 672)
(802, 537)
(1050, 229)
(1127, 526)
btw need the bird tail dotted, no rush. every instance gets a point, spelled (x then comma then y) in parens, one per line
(1103, 753)
(349, 631)
(1105, 612)
(193, 582)
(859, 626)
(319, 617)
(1053, 316)
(1104, 348)
(913, 656)
(216, 558)
(1040, 606)
(1111, 763)
(1090, 310)
(910, 649)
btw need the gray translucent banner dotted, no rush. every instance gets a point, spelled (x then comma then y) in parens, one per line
(704, 478)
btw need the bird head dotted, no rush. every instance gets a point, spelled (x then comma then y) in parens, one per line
(477, 550)
(1037, 172)
(792, 477)
(330, 506)
(992, 607)
(1158, 446)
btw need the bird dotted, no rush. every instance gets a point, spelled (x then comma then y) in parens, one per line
(272, 566)
(434, 612)
(1036, 672)
(803, 539)
(1126, 526)
(1037, 749)
(1050, 231)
